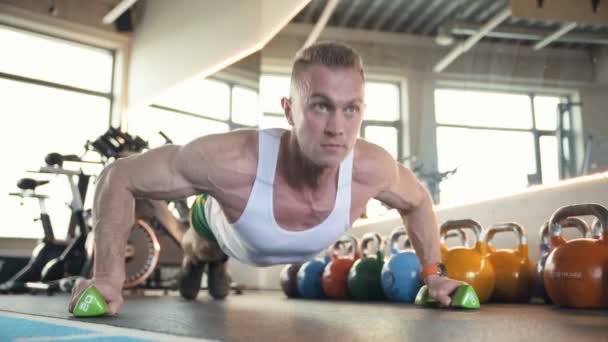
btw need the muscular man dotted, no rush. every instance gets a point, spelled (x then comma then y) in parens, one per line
(274, 196)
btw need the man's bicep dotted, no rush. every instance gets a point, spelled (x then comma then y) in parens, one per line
(158, 173)
(403, 191)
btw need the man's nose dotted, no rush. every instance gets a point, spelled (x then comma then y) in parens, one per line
(335, 124)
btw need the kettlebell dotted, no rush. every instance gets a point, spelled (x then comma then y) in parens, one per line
(513, 270)
(289, 280)
(364, 275)
(335, 276)
(470, 264)
(575, 273)
(457, 233)
(545, 249)
(400, 276)
(596, 229)
(309, 278)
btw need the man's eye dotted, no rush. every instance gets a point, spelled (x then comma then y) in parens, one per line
(352, 109)
(320, 107)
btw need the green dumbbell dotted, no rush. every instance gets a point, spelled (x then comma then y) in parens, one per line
(463, 298)
(90, 304)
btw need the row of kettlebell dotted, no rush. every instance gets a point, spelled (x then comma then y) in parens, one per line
(569, 273)
(358, 270)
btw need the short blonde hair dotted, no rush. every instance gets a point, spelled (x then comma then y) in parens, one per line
(330, 54)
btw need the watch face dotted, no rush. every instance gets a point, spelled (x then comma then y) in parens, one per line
(442, 270)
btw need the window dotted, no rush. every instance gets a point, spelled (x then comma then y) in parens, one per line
(51, 103)
(205, 97)
(490, 138)
(180, 128)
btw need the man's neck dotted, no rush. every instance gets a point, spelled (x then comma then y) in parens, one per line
(298, 170)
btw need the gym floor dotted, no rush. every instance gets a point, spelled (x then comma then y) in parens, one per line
(269, 316)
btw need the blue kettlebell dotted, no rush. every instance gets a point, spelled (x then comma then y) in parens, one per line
(400, 275)
(310, 279)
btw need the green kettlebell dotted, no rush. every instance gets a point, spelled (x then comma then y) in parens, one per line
(364, 276)
(90, 304)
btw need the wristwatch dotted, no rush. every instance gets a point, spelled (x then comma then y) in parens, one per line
(434, 269)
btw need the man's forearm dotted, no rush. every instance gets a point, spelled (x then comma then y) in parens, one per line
(113, 210)
(423, 232)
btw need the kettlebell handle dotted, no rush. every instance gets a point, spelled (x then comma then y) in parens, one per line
(508, 227)
(367, 239)
(569, 222)
(596, 229)
(457, 224)
(351, 243)
(396, 234)
(455, 233)
(600, 212)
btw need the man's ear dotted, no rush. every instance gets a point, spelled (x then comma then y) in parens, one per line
(286, 104)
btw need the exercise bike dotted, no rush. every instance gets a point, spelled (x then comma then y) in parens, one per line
(46, 250)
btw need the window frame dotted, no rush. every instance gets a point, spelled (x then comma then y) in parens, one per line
(563, 95)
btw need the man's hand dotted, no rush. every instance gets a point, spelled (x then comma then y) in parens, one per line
(110, 290)
(441, 288)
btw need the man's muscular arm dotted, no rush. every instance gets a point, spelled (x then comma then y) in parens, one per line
(161, 173)
(404, 192)
(167, 172)
(408, 196)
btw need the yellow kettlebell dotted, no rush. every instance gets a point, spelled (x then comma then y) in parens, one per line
(513, 270)
(469, 264)
(457, 233)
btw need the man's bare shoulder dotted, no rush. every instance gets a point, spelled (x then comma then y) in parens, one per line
(372, 165)
(234, 145)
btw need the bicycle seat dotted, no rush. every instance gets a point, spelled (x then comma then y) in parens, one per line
(53, 159)
(30, 184)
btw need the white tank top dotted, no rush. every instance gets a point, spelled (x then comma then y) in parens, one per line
(256, 238)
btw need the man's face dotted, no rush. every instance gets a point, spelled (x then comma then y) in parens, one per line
(325, 112)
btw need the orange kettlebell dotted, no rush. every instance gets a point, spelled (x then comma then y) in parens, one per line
(470, 264)
(458, 233)
(335, 275)
(575, 273)
(546, 248)
(513, 270)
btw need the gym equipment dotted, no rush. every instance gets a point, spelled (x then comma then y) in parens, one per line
(73, 259)
(575, 273)
(513, 270)
(400, 275)
(289, 280)
(47, 249)
(464, 297)
(470, 264)
(596, 229)
(364, 276)
(309, 279)
(457, 233)
(546, 248)
(335, 276)
(90, 304)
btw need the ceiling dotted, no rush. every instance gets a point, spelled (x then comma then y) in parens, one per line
(459, 17)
